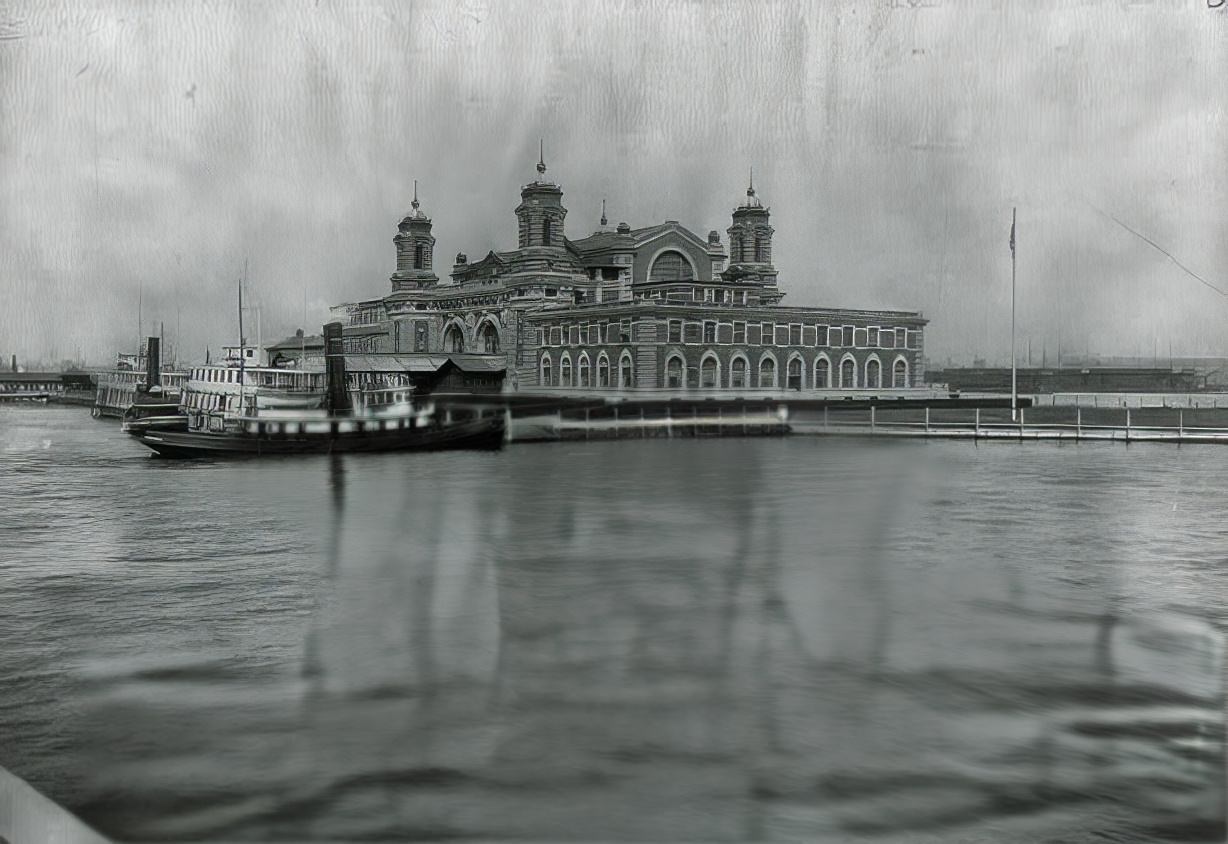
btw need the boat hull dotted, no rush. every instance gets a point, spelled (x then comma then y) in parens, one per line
(481, 433)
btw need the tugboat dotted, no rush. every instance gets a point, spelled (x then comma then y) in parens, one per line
(153, 406)
(386, 420)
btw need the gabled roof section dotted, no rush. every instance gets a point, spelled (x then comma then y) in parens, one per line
(605, 241)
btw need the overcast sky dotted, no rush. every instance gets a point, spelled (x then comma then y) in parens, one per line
(147, 150)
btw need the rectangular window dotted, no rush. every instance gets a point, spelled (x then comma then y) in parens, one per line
(727, 297)
(675, 331)
(808, 335)
(872, 337)
(709, 332)
(753, 334)
(624, 331)
(584, 334)
(859, 337)
(768, 333)
(820, 338)
(611, 332)
(795, 334)
(782, 335)
(848, 336)
(914, 339)
(724, 333)
(691, 332)
(556, 335)
(901, 338)
(739, 332)
(886, 338)
(573, 335)
(550, 291)
(709, 294)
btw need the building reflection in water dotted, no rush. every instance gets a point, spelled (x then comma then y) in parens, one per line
(733, 640)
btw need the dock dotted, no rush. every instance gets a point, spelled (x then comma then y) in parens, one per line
(1064, 423)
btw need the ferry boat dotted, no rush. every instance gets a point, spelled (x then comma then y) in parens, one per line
(232, 421)
(135, 374)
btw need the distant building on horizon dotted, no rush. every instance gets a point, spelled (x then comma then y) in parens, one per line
(630, 308)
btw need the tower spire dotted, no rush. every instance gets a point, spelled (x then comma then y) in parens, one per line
(414, 204)
(604, 221)
(750, 190)
(541, 157)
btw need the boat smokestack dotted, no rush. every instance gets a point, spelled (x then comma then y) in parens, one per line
(153, 363)
(334, 368)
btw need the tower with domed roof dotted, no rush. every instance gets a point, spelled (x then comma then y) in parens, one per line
(541, 213)
(415, 250)
(750, 245)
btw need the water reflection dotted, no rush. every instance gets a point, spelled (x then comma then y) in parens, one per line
(718, 640)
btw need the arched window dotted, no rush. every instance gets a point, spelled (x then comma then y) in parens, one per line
(822, 372)
(453, 339)
(899, 373)
(767, 372)
(546, 232)
(545, 378)
(603, 371)
(737, 373)
(626, 372)
(565, 371)
(874, 371)
(584, 371)
(488, 338)
(419, 256)
(671, 266)
(760, 251)
(795, 374)
(709, 373)
(848, 373)
(674, 370)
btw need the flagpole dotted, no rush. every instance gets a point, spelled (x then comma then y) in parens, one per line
(1014, 392)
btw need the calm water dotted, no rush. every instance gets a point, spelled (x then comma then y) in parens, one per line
(800, 639)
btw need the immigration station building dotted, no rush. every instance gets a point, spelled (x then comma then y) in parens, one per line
(624, 308)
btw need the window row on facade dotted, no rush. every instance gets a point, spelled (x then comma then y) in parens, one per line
(738, 333)
(739, 372)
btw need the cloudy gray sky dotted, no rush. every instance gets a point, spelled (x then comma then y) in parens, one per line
(147, 150)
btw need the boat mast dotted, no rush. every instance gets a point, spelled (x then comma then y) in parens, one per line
(1014, 392)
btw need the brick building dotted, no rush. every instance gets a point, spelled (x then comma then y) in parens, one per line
(624, 308)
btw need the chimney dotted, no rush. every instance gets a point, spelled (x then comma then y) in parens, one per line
(153, 363)
(334, 368)
(14, 363)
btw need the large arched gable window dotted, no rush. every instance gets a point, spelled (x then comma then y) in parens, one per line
(671, 265)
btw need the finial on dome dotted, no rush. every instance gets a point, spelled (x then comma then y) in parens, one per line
(750, 191)
(604, 221)
(414, 204)
(541, 158)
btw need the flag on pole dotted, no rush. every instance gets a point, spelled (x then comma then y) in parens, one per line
(1012, 235)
